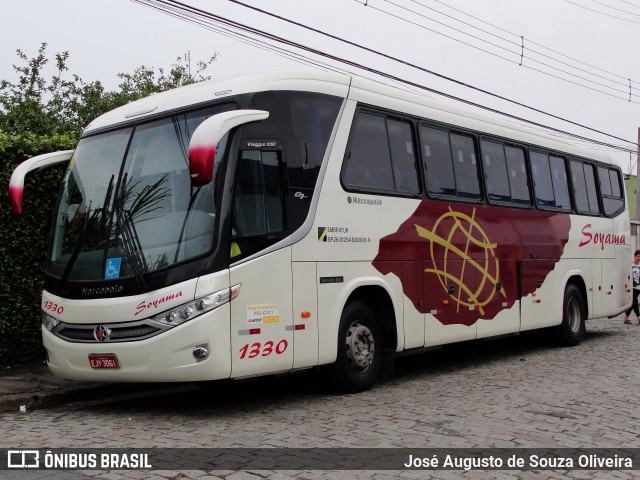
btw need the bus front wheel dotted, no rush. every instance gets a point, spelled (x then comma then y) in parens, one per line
(572, 329)
(360, 348)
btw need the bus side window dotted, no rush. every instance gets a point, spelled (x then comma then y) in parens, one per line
(584, 188)
(258, 207)
(610, 190)
(559, 182)
(505, 173)
(579, 187)
(517, 175)
(605, 181)
(437, 161)
(592, 192)
(368, 163)
(495, 170)
(465, 166)
(542, 180)
(405, 173)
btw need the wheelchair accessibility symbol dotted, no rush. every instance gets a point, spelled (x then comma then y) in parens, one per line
(112, 269)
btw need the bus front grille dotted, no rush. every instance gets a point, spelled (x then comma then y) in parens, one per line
(109, 332)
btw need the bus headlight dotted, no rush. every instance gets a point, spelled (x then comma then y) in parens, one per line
(48, 321)
(197, 307)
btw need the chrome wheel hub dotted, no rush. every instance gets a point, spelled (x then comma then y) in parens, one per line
(360, 346)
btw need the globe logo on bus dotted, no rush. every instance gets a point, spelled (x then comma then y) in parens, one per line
(464, 259)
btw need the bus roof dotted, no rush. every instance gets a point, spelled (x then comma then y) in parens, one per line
(210, 90)
(356, 88)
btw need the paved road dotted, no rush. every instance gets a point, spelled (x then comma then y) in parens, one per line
(518, 392)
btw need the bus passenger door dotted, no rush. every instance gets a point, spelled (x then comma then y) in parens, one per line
(261, 321)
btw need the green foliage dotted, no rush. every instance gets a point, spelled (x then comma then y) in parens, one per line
(66, 105)
(143, 81)
(24, 246)
(39, 115)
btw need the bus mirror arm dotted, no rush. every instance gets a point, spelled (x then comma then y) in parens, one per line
(205, 138)
(16, 184)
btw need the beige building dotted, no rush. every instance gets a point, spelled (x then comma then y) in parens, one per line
(630, 185)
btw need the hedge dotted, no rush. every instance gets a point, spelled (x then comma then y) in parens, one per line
(24, 245)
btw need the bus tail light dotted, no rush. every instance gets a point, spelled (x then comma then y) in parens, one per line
(197, 307)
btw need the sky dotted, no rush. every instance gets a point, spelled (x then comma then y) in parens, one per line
(574, 60)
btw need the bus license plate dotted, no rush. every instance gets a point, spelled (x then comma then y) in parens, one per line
(107, 360)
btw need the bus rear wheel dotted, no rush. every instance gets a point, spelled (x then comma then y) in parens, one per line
(360, 348)
(572, 329)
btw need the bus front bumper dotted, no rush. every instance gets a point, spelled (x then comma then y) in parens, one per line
(175, 355)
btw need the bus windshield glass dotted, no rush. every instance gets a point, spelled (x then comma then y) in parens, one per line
(127, 206)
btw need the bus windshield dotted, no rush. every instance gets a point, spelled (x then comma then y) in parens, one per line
(127, 206)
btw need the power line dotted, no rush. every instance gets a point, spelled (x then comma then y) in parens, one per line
(628, 93)
(262, 45)
(333, 37)
(532, 42)
(617, 9)
(629, 3)
(186, 12)
(601, 13)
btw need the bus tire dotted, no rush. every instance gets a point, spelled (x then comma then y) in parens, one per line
(571, 330)
(360, 348)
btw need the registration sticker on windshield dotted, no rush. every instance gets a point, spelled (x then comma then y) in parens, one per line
(112, 268)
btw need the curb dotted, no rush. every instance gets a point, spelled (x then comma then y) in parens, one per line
(93, 393)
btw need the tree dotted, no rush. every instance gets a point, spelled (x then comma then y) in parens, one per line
(39, 115)
(143, 82)
(65, 104)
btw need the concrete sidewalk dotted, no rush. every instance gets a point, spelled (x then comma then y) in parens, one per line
(32, 385)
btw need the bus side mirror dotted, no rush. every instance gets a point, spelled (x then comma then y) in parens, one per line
(205, 138)
(16, 184)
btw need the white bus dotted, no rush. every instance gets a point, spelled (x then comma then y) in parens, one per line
(276, 222)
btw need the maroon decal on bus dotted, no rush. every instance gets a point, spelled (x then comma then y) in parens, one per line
(469, 257)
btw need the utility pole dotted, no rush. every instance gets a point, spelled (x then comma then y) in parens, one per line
(637, 179)
(636, 222)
